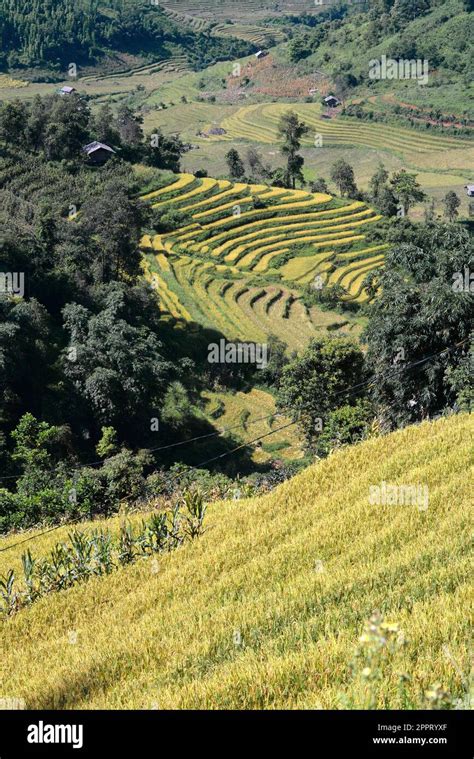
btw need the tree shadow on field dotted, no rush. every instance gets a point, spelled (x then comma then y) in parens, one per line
(77, 687)
(190, 340)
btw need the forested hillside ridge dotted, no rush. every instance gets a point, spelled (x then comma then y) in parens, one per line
(55, 34)
(98, 386)
(58, 128)
(347, 40)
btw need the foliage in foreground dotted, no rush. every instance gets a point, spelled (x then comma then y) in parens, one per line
(97, 554)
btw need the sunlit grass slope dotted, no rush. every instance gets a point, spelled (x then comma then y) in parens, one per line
(256, 410)
(266, 609)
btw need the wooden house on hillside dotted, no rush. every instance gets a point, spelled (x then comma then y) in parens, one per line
(98, 152)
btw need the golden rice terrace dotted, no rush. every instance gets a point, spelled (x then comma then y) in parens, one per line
(247, 253)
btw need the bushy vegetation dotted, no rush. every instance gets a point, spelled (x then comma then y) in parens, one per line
(425, 305)
(96, 554)
(345, 39)
(57, 128)
(317, 382)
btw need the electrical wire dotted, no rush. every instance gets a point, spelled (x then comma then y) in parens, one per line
(178, 475)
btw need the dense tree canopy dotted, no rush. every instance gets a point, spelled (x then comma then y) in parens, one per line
(60, 32)
(316, 383)
(425, 305)
(436, 30)
(59, 127)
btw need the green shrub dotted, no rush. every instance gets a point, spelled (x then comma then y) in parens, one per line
(16, 511)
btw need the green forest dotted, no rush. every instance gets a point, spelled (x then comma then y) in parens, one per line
(55, 33)
(343, 39)
(88, 367)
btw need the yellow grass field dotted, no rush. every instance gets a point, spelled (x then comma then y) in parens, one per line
(259, 404)
(7, 81)
(267, 609)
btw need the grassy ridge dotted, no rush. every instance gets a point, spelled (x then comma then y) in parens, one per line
(266, 609)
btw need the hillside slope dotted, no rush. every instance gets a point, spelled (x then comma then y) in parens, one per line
(53, 33)
(438, 32)
(267, 608)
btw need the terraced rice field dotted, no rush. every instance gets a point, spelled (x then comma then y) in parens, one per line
(441, 161)
(190, 119)
(259, 123)
(195, 22)
(246, 11)
(257, 35)
(242, 261)
(176, 63)
(254, 406)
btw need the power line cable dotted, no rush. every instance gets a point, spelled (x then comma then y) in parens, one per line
(178, 475)
(224, 431)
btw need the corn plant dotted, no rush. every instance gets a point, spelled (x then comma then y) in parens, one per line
(57, 572)
(103, 553)
(175, 535)
(81, 552)
(126, 550)
(194, 513)
(11, 599)
(29, 564)
(155, 535)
